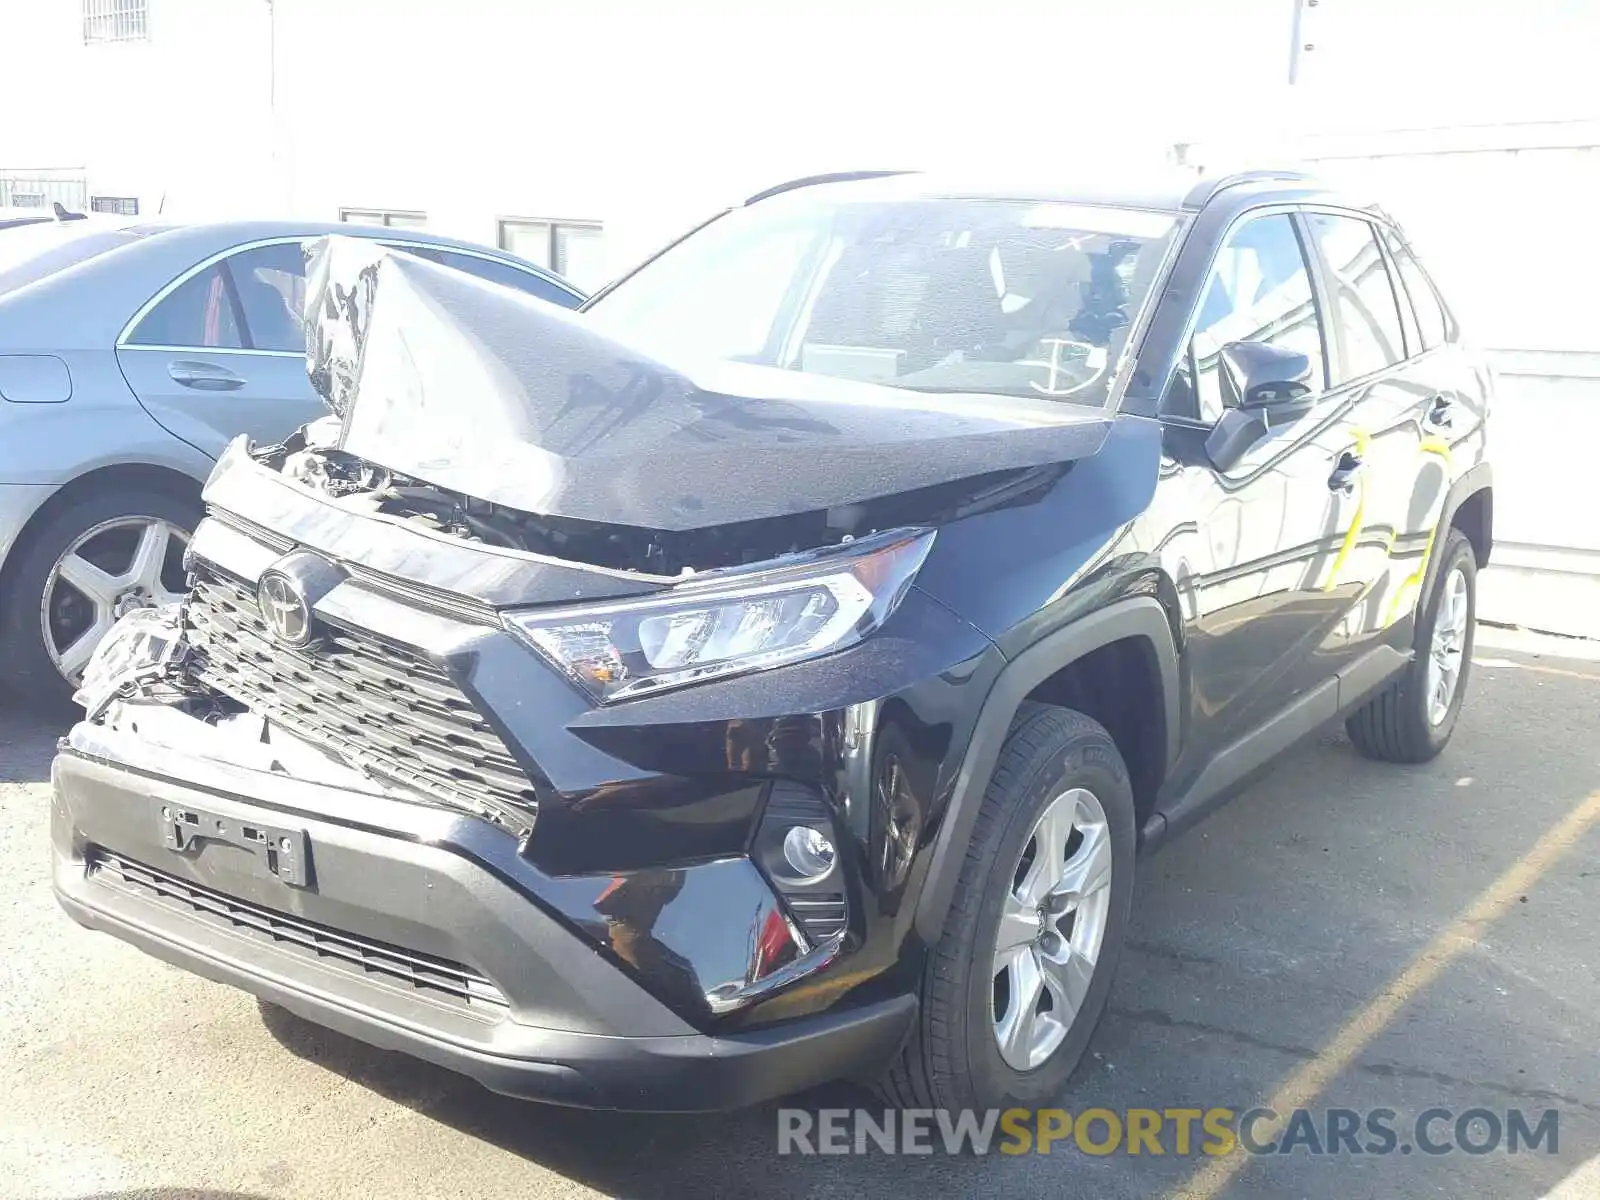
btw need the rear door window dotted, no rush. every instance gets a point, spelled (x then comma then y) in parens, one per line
(199, 313)
(251, 300)
(271, 284)
(1361, 295)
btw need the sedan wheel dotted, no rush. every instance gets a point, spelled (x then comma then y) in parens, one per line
(110, 570)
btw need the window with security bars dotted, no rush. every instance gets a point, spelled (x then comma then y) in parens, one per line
(393, 218)
(571, 248)
(115, 21)
(122, 206)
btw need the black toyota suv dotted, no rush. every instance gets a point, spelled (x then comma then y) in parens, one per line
(775, 671)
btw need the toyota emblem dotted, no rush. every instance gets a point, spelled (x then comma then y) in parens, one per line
(284, 608)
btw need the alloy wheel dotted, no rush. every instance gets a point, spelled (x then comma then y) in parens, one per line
(1448, 646)
(1052, 926)
(109, 570)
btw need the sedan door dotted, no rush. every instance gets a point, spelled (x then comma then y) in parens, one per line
(221, 352)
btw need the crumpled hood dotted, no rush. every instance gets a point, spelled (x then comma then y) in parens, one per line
(498, 395)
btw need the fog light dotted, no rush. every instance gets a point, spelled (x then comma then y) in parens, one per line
(808, 851)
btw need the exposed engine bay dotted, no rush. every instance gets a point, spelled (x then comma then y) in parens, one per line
(312, 458)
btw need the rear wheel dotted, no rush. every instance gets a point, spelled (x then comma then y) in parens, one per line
(1411, 720)
(1019, 979)
(86, 565)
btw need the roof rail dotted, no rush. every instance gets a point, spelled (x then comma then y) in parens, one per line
(1207, 189)
(814, 180)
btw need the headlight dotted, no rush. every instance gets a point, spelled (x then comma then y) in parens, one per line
(718, 627)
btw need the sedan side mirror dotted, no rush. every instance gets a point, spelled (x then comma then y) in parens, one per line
(1264, 385)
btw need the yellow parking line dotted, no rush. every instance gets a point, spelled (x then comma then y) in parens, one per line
(1491, 663)
(1459, 936)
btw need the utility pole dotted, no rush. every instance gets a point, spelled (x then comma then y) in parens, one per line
(1299, 38)
(280, 181)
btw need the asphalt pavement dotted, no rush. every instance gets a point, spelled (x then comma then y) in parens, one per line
(1343, 935)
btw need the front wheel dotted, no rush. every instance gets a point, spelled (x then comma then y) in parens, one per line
(1411, 720)
(1019, 979)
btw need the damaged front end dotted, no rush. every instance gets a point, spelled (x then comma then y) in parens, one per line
(632, 624)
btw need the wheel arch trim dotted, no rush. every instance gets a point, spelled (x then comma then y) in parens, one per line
(101, 475)
(1135, 617)
(1477, 478)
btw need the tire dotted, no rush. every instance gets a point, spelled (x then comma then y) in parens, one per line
(953, 1058)
(26, 664)
(1402, 724)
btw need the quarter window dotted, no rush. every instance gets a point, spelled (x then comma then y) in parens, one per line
(1361, 294)
(1259, 291)
(1419, 288)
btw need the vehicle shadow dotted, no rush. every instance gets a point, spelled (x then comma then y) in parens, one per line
(1254, 942)
(28, 741)
(644, 1156)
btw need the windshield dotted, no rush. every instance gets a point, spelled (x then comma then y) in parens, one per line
(1016, 298)
(30, 252)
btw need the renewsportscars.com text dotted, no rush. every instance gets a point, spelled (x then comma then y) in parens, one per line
(1181, 1132)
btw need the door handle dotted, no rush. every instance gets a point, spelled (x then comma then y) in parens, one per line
(1345, 471)
(1439, 412)
(203, 376)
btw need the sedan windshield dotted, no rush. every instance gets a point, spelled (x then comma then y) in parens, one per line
(1016, 298)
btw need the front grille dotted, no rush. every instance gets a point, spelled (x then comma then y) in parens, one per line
(375, 703)
(439, 977)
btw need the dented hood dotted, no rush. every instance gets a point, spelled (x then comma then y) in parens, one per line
(498, 395)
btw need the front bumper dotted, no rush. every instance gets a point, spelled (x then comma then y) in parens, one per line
(543, 1014)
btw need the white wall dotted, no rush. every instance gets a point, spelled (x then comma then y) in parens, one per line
(180, 117)
(646, 114)
(641, 113)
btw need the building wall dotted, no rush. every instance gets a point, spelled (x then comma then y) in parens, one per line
(179, 119)
(642, 114)
(1504, 216)
(646, 115)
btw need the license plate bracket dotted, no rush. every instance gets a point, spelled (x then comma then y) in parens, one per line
(286, 851)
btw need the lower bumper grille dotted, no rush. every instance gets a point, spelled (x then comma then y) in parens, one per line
(440, 978)
(822, 915)
(378, 704)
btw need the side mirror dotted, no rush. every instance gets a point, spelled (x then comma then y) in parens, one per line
(1261, 375)
(1265, 385)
